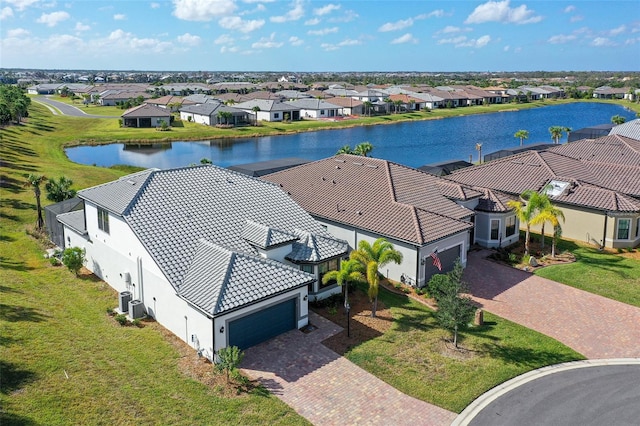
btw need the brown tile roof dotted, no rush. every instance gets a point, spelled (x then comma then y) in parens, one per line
(169, 99)
(494, 201)
(613, 149)
(146, 110)
(344, 101)
(599, 198)
(374, 195)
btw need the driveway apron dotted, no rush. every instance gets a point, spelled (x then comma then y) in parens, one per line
(328, 389)
(593, 325)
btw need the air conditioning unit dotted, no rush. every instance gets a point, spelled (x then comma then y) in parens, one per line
(136, 309)
(125, 298)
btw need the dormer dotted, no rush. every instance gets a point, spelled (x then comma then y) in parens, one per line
(269, 242)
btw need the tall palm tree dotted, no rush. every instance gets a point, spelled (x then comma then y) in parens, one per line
(398, 103)
(556, 133)
(256, 110)
(34, 181)
(367, 107)
(522, 134)
(351, 271)
(567, 130)
(550, 214)
(363, 148)
(346, 149)
(618, 119)
(372, 257)
(526, 209)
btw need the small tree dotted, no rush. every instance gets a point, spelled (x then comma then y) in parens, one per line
(556, 133)
(73, 258)
(363, 148)
(618, 119)
(59, 189)
(228, 359)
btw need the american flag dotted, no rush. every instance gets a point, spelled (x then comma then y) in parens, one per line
(436, 260)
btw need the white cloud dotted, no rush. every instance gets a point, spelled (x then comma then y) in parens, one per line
(119, 17)
(18, 33)
(395, 26)
(506, 48)
(21, 5)
(617, 31)
(569, 9)
(450, 29)
(631, 41)
(63, 41)
(325, 10)
(561, 39)
(5, 12)
(407, 38)
(52, 19)
(499, 11)
(155, 5)
(229, 49)
(202, 10)
(576, 18)
(346, 16)
(189, 39)
(82, 27)
(237, 24)
(128, 42)
(224, 39)
(436, 14)
(295, 41)
(602, 42)
(323, 31)
(296, 12)
(463, 41)
(267, 43)
(328, 47)
(312, 21)
(350, 42)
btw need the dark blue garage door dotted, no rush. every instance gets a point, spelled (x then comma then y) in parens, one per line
(263, 325)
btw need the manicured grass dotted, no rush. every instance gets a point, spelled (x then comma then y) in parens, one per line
(411, 358)
(54, 325)
(612, 275)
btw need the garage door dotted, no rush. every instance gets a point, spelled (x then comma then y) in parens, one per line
(263, 325)
(447, 258)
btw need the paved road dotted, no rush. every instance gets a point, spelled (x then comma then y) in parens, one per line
(580, 394)
(328, 389)
(58, 108)
(595, 326)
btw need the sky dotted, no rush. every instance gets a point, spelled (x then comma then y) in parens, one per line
(321, 36)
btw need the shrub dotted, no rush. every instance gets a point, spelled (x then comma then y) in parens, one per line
(121, 319)
(137, 322)
(228, 359)
(110, 312)
(73, 258)
(55, 261)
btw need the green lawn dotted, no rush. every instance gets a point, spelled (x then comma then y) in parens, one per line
(611, 275)
(52, 322)
(409, 356)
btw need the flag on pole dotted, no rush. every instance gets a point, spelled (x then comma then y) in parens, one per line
(436, 260)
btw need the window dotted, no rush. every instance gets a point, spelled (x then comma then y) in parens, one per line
(638, 228)
(511, 225)
(324, 267)
(308, 269)
(495, 228)
(103, 220)
(276, 115)
(623, 229)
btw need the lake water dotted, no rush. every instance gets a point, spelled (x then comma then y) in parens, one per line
(411, 143)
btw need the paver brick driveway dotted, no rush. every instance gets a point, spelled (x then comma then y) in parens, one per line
(593, 325)
(328, 389)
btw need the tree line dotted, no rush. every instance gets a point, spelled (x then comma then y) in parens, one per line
(14, 104)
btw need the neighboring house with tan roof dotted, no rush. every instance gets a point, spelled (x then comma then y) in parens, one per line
(209, 114)
(360, 198)
(630, 129)
(146, 116)
(594, 182)
(216, 257)
(346, 105)
(173, 103)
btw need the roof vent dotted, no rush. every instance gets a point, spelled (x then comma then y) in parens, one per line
(357, 164)
(340, 161)
(229, 180)
(371, 166)
(130, 182)
(338, 167)
(323, 178)
(333, 182)
(359, 213)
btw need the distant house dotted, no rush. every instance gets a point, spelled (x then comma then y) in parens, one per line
(445, 167)
(314, 108)
(607, 92)
(209, 114)
(113, 98)
(216, 257)
(346, 105)
(173, 103)
(146, 116)
(269, 110)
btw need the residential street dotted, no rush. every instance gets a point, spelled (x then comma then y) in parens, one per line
(67, 109)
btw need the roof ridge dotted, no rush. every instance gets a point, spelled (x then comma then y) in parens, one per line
(390, 182)
(416, 223)
(225, 279)
(544, 163)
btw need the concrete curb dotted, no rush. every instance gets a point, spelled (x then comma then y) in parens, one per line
(472, 410)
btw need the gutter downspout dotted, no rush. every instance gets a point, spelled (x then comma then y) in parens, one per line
(604, 233)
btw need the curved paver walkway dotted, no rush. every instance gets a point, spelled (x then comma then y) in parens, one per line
(328, 389)
(593, 325)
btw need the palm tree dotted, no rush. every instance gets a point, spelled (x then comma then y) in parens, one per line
(346, 149)
(479, 149)
(550, 214)
(567, 130)
(256, 109)
(363, 148)
(556, 133)
(618, 119)
(398, 103)
(372, 257)
(34, 181)
(351, 271)
(522, 134)
(526, 209)
(59, 189)
(367, 107)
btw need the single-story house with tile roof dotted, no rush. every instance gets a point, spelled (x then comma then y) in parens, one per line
(630, 129)
(209, 114)
(217, 257)
(346, 105)
(113, 98)
(593, 181)
(269, 110)
(146, 115)
(173, 103)
(314, 108)
(361, 198)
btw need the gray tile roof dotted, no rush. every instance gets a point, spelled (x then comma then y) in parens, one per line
(221, 280)
(266, 105)
(316, 248)
(146, 110)
(116, 196)
(178, 207)
(74, 220)
(630, 129)
(374, 195)
(265, 236)
(311, 103)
